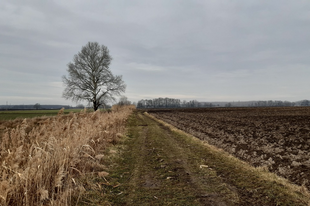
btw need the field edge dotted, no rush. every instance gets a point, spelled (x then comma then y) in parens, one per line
(280, 188)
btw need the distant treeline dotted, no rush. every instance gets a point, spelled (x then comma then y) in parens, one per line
(34, 106)
(270, 103)
(171, 103)
(177, 103)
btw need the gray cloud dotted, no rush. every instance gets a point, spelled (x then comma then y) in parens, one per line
(205, 50)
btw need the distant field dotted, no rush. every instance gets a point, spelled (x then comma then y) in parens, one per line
(10, 115)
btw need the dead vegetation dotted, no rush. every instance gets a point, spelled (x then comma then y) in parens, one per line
(43, 159)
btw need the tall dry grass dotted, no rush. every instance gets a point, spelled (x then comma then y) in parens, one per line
(41, 163)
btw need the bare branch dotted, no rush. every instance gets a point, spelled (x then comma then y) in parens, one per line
(89, 77)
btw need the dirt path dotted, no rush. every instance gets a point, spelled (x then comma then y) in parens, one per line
(161, 167)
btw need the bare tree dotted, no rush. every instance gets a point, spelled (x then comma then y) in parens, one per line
(81, 106)
(123, 100)
(37, 106)
(90, 78)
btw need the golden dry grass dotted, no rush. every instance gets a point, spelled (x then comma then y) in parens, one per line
(42, 160)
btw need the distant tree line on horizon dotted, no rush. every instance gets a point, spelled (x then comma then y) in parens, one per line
(271, 103)
(123, 100)
(34, 107)
(177, 103)
(167, 103)
(171, 103)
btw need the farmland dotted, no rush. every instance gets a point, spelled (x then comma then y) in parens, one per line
(19, 114)
(46, 160)
(11, 118)
(273, 138)
(125, 157)
(161, 165)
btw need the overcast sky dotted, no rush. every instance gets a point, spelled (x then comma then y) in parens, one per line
(211, 50)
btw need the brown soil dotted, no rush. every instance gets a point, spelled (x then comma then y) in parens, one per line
(277, 138)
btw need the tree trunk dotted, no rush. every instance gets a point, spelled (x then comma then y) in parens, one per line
(95, 106)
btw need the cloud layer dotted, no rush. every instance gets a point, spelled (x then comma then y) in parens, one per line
(216, 50)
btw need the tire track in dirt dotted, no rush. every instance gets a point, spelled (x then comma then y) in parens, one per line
(166, 173)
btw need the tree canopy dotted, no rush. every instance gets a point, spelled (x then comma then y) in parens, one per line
(90, 78)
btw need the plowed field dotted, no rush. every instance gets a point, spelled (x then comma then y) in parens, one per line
(276, 138)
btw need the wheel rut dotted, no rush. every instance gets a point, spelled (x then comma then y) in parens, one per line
(166, 171)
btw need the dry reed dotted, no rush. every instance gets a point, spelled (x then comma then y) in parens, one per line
(41, 160)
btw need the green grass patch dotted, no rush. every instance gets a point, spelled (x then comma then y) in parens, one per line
(153, 170)
(20, 114)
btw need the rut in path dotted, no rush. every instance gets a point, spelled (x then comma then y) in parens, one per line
(161, 167)
(166, 171)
